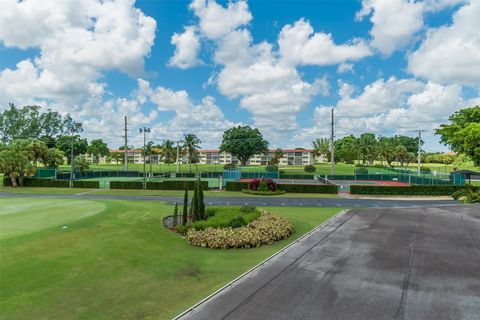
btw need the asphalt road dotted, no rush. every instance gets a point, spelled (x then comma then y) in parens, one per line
(415, 263)
(255, 201)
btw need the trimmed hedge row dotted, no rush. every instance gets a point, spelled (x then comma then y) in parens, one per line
(49, 183)
(294, 188)
(174, 185)
(417, 190)
(126, 185)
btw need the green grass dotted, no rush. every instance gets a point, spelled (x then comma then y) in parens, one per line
(120, 263)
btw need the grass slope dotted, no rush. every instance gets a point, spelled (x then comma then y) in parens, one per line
(117, 264)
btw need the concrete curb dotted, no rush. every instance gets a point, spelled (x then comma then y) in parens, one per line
(306, 235)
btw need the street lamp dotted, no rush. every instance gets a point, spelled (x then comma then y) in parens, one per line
(144, 130)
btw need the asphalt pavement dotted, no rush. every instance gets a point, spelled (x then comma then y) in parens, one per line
(389, 263)
(255, 201)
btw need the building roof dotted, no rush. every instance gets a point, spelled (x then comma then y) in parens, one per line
(123, 151)
(272, 151)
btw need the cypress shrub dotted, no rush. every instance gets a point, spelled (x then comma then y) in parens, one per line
(185, 206)
(201, 201)
(175, 215)
(195, 203)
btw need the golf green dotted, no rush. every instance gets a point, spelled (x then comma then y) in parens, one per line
(21, 216)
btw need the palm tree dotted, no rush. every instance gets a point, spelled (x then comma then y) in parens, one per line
(321, 147)
(191, 144)
(168, 151)
(386, 151)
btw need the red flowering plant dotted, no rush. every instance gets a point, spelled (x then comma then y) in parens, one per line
(255, 184)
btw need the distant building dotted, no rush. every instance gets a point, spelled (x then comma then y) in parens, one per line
(214, 156)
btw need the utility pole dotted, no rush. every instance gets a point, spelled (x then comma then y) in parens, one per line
(419, 149)
(71, 160)
(125, 165)
(144, 130)
(332, 148)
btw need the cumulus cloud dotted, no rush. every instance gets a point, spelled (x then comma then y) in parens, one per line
(450, 54)
(77, 42)
(300, 45)
(205, 119)
(395, 22)
(389, 107)
(216, 20)
(187, 49)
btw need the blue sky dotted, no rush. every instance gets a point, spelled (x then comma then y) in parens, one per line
(386, 66)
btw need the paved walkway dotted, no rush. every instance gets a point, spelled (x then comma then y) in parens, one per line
(416, 263)
(255, 201)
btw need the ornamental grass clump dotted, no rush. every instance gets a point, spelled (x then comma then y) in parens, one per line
(267, 229)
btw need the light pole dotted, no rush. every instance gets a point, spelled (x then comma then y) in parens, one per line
(144, 130)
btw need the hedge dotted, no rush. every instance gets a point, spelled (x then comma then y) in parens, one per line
(49, 183)
(174, 185)
(126, 185)
(295, 188)
(419, 190)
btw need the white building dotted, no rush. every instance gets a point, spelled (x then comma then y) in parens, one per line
(291, 157)
(214, 156)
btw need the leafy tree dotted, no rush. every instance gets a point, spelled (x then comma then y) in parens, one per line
(191, 144)
(401, 155)
(243, 143)
(410, 143)
(80, 145)
(29, 122)
(321, 147)
(80, 163)
(346, 149)
(168, 151)
(54, 158)
(462, 134)
(97, 149)
(16, 164)
(367, 144)
(386, 150)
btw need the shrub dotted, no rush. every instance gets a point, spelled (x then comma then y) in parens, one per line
(310, 168)
(175, 185)
(220, 217)
(175, 215)
(271, 168)
(247, 209)
(263, 186)
(266, 229)
(47, 183)
(237, 222)
(263, 193)
(254, 184)
(126, 185)
(86, 184)
(295, 188)
(418, 190)
(469, 194)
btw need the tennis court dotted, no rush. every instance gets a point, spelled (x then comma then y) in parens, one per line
(105, 181)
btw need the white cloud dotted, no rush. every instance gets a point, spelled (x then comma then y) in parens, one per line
(216, 20)
(205, 119)
(300, 45)
(388, 107)
(77, 42)
(187, 49)
(451, 54)
(345, 67)
(395, 22)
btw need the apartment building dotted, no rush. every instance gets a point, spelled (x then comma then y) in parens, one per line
(291, 157)
(213, 156)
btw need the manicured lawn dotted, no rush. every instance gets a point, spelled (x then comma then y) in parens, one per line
(119, 263)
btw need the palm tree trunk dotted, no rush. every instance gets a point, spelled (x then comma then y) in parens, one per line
(14, 180)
